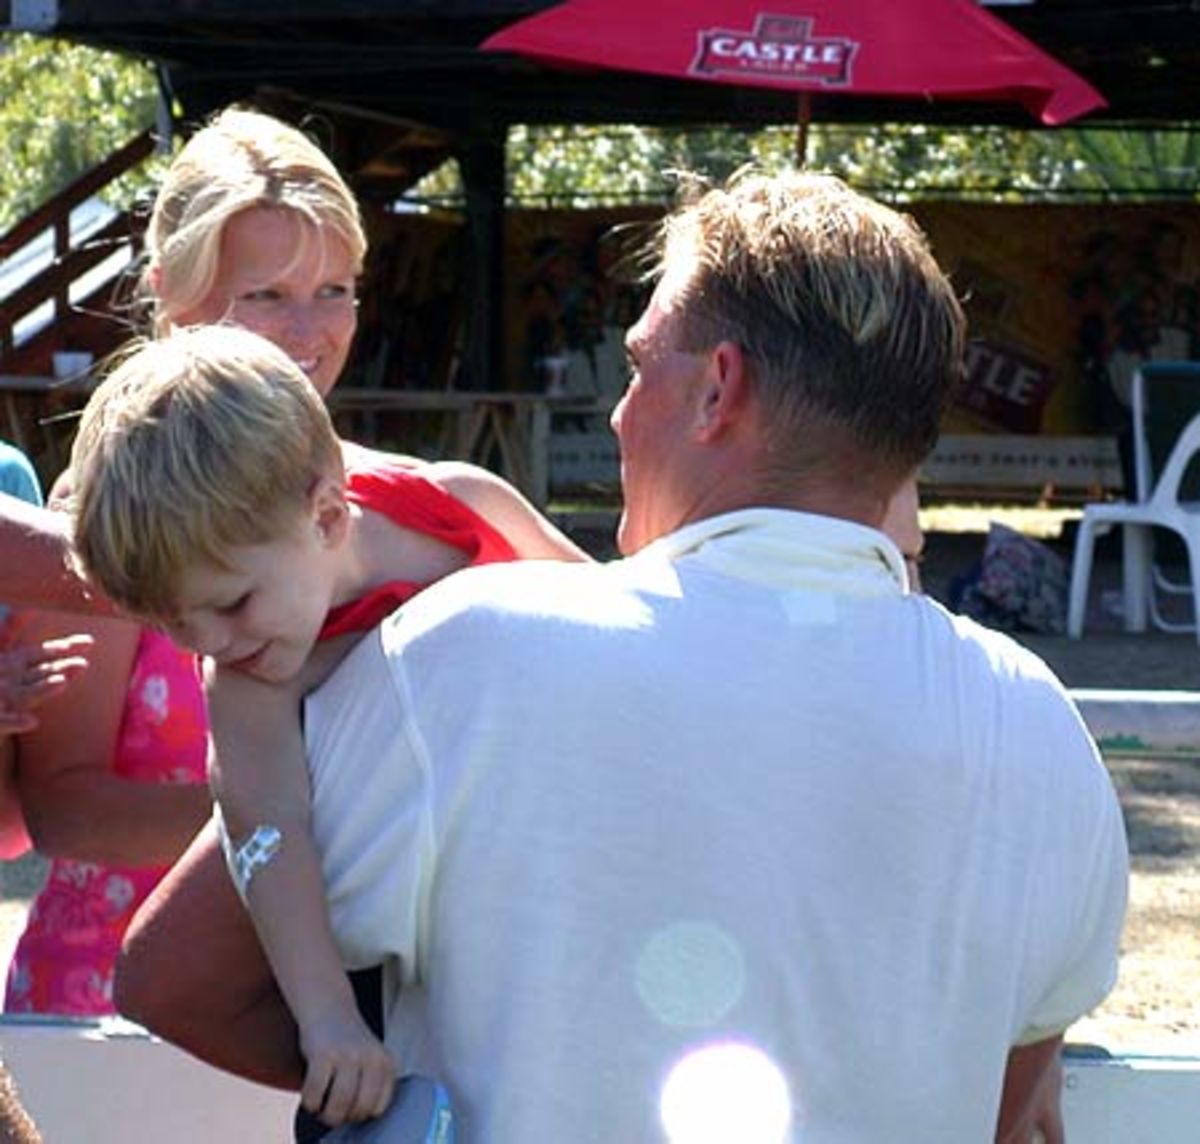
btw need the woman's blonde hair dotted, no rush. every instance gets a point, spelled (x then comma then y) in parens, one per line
(204, 440)
(241, 159)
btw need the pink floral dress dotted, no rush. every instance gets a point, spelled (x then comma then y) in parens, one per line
(63, 962)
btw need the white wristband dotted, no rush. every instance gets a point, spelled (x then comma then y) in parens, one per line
(252, 855)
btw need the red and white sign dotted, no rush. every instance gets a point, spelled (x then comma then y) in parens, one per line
(781, 47)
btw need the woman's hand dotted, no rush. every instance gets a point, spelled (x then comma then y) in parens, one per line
(32, 673)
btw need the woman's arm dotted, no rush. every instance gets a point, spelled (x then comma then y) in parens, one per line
(36, 571)
(14, 837)
(33, 671)
(506, 510)
(30, 674)
(260, 779)
(75, 806)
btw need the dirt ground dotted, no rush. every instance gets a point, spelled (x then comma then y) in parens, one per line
(1155, 1007)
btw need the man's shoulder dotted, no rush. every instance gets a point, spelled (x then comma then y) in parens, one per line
(1004, 692)
(533, 588)
(999, 654)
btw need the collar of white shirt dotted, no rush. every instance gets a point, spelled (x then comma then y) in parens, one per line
(787, 549)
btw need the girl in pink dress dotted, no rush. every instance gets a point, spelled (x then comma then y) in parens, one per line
(113, 787)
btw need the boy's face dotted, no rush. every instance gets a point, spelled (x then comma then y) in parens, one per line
(260, 614)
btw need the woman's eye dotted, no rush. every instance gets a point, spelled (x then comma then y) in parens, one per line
(336, 291)
(264, 295)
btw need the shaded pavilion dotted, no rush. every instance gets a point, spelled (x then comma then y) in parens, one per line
(404, 86)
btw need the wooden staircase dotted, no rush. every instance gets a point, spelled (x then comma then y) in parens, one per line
(80, 312)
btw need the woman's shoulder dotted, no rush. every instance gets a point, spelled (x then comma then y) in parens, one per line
(372, 475)
(462, 479)
(359, 457)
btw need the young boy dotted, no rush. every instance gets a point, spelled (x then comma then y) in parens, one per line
(210, 497)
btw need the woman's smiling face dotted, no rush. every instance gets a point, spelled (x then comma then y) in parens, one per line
(289, 281)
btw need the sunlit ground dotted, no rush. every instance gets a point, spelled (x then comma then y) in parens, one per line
(1155, 1007)
(1042, 523)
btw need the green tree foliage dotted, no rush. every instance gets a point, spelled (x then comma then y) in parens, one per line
(63, 109)
(1146, 162)
(602, 165)
(910, 161)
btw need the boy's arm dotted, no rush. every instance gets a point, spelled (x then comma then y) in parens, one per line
(260, 779)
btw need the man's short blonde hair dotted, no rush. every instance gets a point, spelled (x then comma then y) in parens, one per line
(836, 300)
(204, 440)
(241, 159)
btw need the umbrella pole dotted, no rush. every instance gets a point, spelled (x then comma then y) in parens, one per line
(803, 119)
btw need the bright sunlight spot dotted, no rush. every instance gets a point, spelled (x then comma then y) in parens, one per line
(726, 1093)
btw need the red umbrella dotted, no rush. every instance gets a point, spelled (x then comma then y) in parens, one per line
(923, 49)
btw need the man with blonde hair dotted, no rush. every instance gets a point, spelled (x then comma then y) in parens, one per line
(737, 832)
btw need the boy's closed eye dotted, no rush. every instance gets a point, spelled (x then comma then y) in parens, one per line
(234, 606)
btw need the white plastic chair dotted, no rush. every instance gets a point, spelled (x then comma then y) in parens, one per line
(1155, 385)
(1164, 508)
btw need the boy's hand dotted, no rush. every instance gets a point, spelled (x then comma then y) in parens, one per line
(350, 1074)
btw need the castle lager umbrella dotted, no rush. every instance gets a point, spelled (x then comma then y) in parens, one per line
(920, 49)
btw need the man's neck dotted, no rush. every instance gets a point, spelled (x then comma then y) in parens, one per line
(821, 494)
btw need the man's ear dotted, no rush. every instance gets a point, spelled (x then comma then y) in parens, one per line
(725, 390)
(330, 511)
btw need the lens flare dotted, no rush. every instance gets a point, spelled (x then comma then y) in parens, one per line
(726, 1093)
(690, 974)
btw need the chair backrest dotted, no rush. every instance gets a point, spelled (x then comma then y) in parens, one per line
(1171, 488)
(1165, 397)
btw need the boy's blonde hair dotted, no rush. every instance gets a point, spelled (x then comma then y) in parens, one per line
(204, 440)
(239, 160)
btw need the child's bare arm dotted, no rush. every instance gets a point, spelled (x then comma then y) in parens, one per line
(14, 836)
(260, 779)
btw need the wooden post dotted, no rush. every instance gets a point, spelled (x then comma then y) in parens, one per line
(803, 119)
(482, 165)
